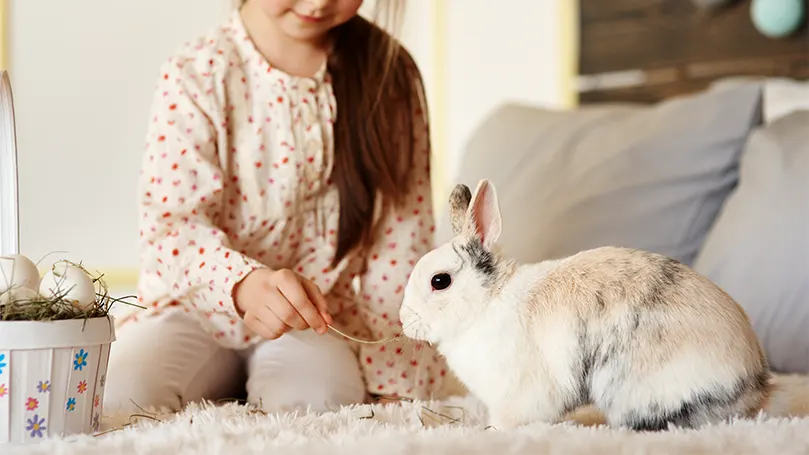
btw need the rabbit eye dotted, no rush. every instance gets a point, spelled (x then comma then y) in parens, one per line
(440, 281)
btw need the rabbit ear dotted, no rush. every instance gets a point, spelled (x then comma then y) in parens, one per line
(483, 218)
(458, 206)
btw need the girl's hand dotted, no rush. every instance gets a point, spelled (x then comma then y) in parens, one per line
(273, 302)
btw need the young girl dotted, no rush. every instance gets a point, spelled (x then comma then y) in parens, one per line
(285, 186)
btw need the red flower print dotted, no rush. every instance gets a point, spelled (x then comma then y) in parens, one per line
(82, 387)
(31, 404)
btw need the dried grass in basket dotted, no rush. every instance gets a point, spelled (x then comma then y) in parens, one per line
(57, 308)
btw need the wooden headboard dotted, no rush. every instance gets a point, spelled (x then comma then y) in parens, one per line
(649, 50)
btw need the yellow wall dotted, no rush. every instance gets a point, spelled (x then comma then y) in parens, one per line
(570, 51)
(4, 34)
(118, 280)
(438, 117)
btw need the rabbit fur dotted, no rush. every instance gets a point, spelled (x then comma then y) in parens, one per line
(642, 337)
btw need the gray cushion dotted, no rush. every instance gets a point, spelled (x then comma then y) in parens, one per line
(758, 250)
(650, 177)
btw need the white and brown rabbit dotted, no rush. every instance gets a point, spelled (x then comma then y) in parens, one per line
(641, 336)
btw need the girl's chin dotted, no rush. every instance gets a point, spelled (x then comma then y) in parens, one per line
(296, 28)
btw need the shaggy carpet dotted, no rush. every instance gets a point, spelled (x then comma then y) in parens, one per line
(454, 426)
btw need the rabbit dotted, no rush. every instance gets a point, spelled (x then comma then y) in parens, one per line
(640, 336)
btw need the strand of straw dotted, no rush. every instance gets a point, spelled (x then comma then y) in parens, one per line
(385, 340)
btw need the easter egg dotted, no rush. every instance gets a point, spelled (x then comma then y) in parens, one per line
(69, 282)
(19, 277)
(777, 18)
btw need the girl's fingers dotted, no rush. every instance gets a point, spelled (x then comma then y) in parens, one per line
(313, 291)
(285, 311)
(297, 296)
(277, 326)
(269, 330)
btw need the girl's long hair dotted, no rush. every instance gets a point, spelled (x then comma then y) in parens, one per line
(376, 84)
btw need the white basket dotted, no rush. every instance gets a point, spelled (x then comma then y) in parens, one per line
(52, 377)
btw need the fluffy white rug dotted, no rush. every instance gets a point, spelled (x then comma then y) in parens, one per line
(450, 427)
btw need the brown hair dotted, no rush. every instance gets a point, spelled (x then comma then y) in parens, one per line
(376, 84)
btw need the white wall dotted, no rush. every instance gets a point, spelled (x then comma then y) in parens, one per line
(82, 74)
(497, 52)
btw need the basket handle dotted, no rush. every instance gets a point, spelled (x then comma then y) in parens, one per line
(9, 185)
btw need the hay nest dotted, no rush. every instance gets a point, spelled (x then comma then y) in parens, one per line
(56, 307)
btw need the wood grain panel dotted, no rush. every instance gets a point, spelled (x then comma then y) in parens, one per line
(674, 37)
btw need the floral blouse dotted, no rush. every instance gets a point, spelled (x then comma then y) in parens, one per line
(235, 176)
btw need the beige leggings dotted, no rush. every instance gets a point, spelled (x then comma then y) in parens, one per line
(168, 361)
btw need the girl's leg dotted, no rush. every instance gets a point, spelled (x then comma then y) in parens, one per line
(303, 369)
(167, 361)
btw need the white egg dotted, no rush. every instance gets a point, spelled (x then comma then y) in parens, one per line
(71, 283)
(19, 277)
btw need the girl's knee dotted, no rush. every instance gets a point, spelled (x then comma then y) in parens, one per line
(133, 389)
(295, 392)
(305, 372)
(167, 361)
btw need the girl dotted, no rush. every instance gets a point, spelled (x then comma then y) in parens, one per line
(285, 187)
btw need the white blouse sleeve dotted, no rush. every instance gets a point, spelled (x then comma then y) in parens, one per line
(185, 257)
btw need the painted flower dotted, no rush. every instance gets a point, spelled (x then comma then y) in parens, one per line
(96, 422)
(97, 401)
(81, 360)
(36, 425)
(3, 364)
(71, 404)
(44, 386)
(31, 404)
(3, 390)
(103, 379)
(82, 386)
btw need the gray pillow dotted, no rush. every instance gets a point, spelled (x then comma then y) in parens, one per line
(758, 250)
(643, 176)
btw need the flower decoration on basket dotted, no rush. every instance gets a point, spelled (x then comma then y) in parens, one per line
(66, 291)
